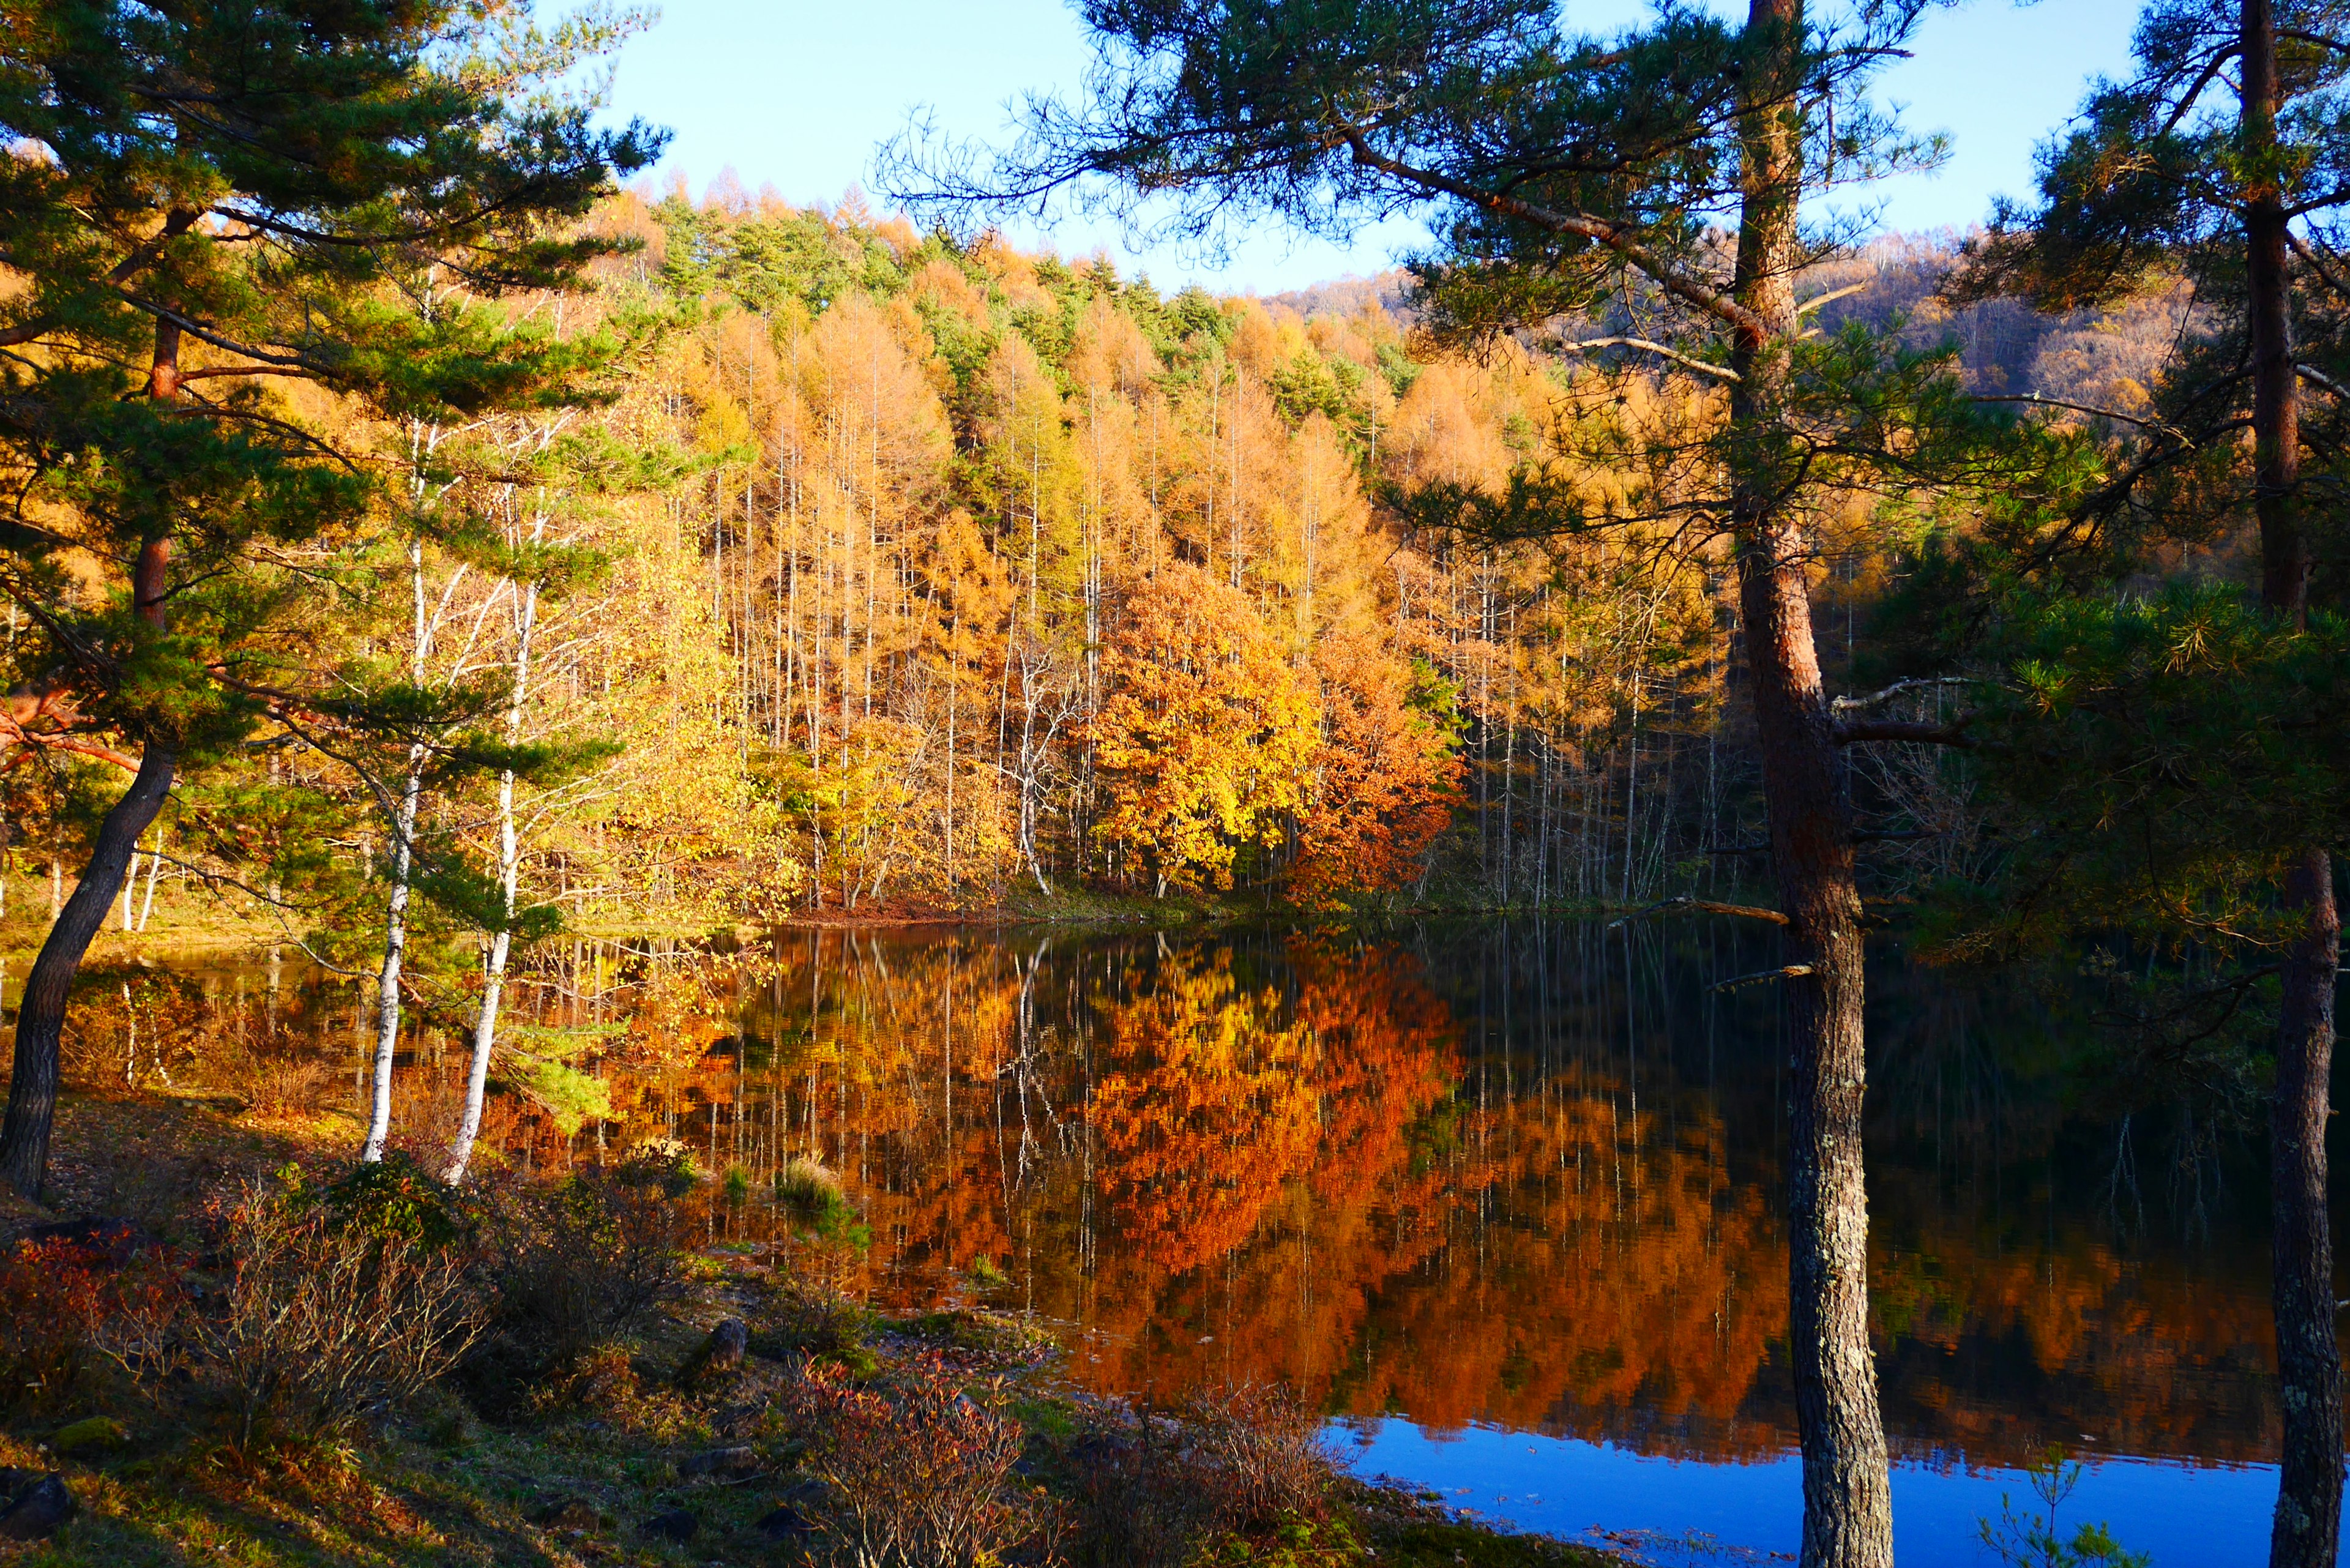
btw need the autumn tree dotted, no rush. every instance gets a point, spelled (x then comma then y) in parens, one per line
(206, 201)
(1384, 778)
(1204, 740)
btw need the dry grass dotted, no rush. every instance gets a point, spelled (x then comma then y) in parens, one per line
(807, 1185)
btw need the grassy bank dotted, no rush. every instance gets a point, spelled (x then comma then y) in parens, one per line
(732, 1408)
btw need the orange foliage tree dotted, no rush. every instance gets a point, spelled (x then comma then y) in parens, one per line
(1386, 780)
(1204, 740)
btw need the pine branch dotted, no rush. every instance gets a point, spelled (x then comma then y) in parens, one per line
(1951, 734)
(1846, 704)
(1718, 371)
(1701, 906)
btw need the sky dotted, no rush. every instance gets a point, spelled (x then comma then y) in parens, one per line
(798, 94)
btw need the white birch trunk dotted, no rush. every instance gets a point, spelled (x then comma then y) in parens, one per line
(403, 866)
(485, 1023)
(155, 867)
(395, 949)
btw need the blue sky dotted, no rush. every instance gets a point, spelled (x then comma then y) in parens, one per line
(796, 94)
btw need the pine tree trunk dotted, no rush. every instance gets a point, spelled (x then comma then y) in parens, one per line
(41, 1013)
(1847, 1501)
(2307, 1527)
(41, 1016)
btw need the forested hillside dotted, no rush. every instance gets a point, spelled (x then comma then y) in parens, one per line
(972, 518)
(892, 573)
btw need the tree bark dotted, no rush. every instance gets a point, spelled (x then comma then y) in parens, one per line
(395, 952)
(41, 1013)
(2306, 1530)
(1847, 1499)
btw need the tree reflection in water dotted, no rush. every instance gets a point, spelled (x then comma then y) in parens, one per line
(1522, 1175)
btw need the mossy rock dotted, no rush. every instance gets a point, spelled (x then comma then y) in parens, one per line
(96, 1434)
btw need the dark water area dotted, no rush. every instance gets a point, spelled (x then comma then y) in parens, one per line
(1501, 1200)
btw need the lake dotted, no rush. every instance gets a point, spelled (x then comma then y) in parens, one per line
(1501, 1199)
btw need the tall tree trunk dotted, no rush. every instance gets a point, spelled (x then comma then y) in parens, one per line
(395, 955)
(41, 1016)
(1847, 1501)
(486, 1022)
(41, 1013)
(2307, 1528)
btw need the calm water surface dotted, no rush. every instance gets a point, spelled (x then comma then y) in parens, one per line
(1501, 1200)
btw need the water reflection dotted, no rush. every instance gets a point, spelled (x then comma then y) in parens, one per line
(1494, 1178)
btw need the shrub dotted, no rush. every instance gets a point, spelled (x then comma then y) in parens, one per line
(1139, 1500)
(396, 1199)
(274, 1083)
(1262, 1451)
(658, 1162)
(605, 1380)
(917, 1473)
(810, 1318)
(142, 1315)
(60, 1302)
(1163, 1491)
(584, 1262)
(48, 1297)
(337, 1309)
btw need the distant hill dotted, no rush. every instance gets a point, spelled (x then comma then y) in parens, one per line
(2105, 358)
(1350, 296)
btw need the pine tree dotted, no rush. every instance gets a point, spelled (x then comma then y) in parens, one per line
(2227, 141)
(206, 201)
(1564, 172)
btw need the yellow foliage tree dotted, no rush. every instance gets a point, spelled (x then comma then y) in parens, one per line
(1205, 735)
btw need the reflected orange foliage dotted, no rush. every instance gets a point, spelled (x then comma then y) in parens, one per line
(1272, 1159)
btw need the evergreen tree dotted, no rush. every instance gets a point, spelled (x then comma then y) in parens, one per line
(2223, 156)
(203, 201)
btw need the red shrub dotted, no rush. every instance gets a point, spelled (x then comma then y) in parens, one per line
(917, 1474)
(61, 1301)
(49, 1299)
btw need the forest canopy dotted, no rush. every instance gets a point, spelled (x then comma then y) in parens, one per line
(907, 571)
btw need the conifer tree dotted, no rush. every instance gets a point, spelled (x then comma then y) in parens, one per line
(1564, 172)
(203, 201)
(2223, 156)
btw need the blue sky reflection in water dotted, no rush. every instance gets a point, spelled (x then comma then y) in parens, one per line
(1681, 1513)
(1506, 1194)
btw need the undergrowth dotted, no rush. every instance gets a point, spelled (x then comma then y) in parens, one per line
(331, 1366)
